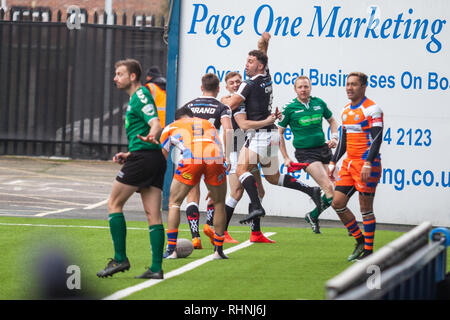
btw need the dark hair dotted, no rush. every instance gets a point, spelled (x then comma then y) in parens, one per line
(210, 82)
(184, 111)
(132, 65)
(361, 76)
(231, 74)
(261, 56)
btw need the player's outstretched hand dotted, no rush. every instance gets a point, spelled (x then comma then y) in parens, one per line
(265, 36)
(148, 138)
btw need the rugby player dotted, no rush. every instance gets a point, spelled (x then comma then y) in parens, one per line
(232, 82)
(263, 139)
(202, 154)
(207, 107)
(362, 135)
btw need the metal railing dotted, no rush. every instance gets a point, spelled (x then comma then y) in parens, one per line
(408, 268)
(57, 95)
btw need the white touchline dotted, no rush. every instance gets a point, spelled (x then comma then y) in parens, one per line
(43, 214)
(62, 226)
(190, 266)
(40, 198)
(96, 205)
(73, 226)
(55, 176)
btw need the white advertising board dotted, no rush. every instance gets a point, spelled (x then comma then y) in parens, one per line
(404, 47)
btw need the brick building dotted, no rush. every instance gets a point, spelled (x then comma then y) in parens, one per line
(130, 7)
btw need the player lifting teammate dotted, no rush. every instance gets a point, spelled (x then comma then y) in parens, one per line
(233, 81)
(263, 140)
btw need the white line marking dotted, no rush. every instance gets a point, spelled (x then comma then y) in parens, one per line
(41, 199)
(73, 226)
(43, 214)
(13, 182)
(96, 205)
(62, 226)
(55, 176)
(190, 266)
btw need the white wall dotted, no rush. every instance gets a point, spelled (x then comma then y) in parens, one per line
(416, 174)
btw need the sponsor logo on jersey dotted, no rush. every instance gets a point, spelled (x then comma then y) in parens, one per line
(353, 128)
(309, 120)
(198, 110)
(187, 176)
(141, 96)
(148, 109)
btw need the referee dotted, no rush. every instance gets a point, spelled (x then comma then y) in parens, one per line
(304, 115)
(142, 172)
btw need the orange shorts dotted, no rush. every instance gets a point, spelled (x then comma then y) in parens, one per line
(350, 175)
(190, 174)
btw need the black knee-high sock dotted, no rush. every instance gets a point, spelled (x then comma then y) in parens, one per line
(193, 216)
(230, 204)
(292, 183)
(256, 225)
(251, 187)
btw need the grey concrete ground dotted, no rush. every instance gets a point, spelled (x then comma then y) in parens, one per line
(79, 189)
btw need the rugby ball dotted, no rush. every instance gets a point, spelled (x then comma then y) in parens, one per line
(184, 248)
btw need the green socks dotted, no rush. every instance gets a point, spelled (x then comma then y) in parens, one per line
(326, 202)
(118, 228)
(157, 246)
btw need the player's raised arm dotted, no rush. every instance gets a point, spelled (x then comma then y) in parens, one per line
(263, 42)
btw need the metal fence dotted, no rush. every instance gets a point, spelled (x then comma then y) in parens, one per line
(57, 95)
(411, 267)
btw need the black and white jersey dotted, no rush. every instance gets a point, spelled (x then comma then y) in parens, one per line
(209, 108)
(257, 95)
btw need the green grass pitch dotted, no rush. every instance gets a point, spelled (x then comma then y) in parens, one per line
(295, 267)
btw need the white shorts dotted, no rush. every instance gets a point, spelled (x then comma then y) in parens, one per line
(233, 161)
(266, 145)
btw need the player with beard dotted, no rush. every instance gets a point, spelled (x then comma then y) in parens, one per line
(262, 141)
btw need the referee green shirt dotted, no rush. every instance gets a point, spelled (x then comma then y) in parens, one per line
(305, 121)
(140, 111)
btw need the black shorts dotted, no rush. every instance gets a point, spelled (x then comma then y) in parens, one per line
(309, 155)
(143, 169)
